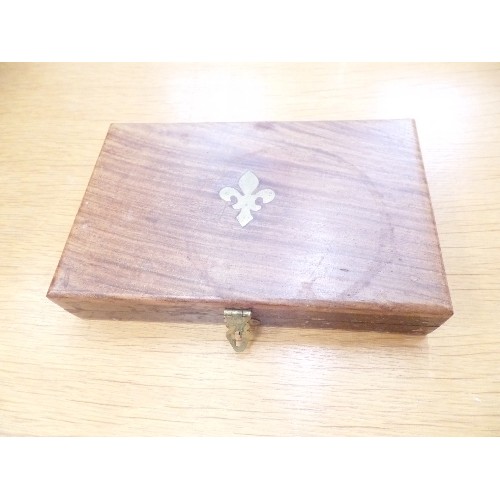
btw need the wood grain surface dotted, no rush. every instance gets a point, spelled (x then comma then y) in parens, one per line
(349, 240)
(61, 375)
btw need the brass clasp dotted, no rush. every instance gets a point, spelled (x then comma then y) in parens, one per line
(238, 322)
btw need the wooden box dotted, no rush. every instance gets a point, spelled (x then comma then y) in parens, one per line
(307, 224)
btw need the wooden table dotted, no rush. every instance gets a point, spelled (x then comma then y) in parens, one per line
(64, 376)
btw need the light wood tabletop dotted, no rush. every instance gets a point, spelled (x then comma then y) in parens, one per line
(61, 375)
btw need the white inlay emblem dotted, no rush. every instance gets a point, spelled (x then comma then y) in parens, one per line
(246, 202)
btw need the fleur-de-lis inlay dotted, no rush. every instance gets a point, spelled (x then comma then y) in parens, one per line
(246, 202)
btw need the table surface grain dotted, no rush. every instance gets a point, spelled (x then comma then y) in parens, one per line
(61, 375)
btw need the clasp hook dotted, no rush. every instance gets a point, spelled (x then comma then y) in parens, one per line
(238, 322)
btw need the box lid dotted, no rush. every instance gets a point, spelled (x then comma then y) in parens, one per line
(305, 223)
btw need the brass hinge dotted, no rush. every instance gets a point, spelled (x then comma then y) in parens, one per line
(238, 322)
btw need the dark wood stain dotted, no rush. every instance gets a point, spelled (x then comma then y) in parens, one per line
(349, 240)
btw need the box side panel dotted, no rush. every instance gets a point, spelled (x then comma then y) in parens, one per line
(267, 315)
(446, 296)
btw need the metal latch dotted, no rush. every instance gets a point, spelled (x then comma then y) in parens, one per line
(238, 322)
